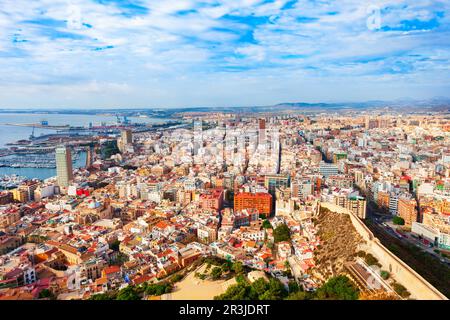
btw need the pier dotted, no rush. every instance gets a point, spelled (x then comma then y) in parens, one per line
(38, 125)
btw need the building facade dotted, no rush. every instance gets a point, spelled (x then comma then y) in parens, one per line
(64, 166)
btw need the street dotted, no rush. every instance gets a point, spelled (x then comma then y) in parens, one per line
(385, 222)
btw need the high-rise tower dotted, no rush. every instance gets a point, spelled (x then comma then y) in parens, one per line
(262, 131)
(64, 166)
(126, 138)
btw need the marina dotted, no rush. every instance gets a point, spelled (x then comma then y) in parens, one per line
(21, 126)
(28, 140)
(46, 160)
(41, 173)
(11, 181)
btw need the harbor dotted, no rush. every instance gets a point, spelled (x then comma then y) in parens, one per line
(28, 141)
(43, 125)
(18, 129)
(11, 181)
(46, 160)
(11, 176)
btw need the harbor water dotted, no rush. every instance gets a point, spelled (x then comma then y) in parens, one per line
(10, 134)
(41, 173)
(13, 133)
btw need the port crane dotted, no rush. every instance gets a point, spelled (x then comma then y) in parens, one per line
(32, 134)
(124, 121)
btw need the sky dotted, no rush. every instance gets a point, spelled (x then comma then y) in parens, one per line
(224, 53)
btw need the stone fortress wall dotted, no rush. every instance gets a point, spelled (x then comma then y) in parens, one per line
(418, 287)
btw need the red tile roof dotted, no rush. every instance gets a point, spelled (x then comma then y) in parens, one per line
(111, 269)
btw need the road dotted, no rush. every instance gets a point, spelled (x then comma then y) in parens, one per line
(424, 263)
(385, 222)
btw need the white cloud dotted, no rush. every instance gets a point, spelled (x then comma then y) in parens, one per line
(88, 47)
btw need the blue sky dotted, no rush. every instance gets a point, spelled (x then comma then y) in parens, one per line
(174, 53)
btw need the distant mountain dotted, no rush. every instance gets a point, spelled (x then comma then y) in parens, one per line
(438, 102)
(434, 104)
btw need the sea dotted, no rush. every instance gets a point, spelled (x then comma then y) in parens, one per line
(10, 134)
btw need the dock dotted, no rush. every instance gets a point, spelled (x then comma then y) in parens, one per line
(38, 125)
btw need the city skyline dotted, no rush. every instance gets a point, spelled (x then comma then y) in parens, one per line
(201, 53)
(270, 206)
(225, 150)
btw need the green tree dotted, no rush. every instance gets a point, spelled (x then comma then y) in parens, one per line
(260, 286)
(128, 293)
(401, 290)
(398, 220)
(225, 267)
(158, 289)
(287, 266)
(46, 293)
(293, 286)
(300, 295)
(216, 273)
(371, 260)
(176, 278)
(384, 274)
(268, 295)
(281, 233)
(102, 296)
(240, 278)
(266, 224)
(109, 148)
(238, 267)
(115, 245)
(277, 289)
(120, 259)
(338, 288)
(239, 291)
